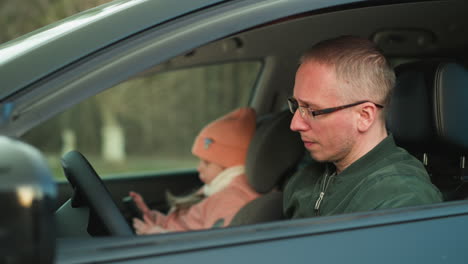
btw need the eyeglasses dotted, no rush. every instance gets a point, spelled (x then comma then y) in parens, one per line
(294, 106)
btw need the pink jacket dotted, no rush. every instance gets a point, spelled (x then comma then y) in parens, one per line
(219, 208)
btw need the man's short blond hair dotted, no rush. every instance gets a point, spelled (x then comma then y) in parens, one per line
(362, 70)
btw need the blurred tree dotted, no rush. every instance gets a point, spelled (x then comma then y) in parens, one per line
(20, 17)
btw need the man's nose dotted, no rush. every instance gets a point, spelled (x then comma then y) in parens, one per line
(298, 123)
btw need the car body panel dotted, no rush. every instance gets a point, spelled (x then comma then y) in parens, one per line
(353, 238)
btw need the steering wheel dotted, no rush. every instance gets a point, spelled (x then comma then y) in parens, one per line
(90, 190)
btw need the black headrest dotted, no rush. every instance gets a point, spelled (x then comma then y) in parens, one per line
(452, 106)
(273, 152)
(426, 112)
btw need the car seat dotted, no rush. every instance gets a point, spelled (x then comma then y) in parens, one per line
(273, 155)
(428, 116)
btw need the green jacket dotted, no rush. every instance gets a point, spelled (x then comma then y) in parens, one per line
(386, 177)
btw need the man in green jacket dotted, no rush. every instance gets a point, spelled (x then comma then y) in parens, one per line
(341, 90)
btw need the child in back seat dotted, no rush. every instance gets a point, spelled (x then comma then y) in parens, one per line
(221, 147)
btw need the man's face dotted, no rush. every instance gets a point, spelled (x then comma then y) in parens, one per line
(328, 137)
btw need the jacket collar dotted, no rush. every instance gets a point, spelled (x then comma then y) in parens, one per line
(371, 157)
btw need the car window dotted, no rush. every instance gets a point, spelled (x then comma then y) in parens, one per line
(146, 123)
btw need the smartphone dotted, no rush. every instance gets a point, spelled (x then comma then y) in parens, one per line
(132, 208)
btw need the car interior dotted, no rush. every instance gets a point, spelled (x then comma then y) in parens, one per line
(427, 49)
(423, 119)
(267, 168)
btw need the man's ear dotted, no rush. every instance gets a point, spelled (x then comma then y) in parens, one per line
(367, 115)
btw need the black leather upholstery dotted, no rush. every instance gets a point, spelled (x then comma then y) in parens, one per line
(451, 92)
(428, 115)
(273, 154)
(428, 108)
(409, 115)
(264, 209)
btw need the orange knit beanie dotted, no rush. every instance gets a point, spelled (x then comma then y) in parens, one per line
(225, 141)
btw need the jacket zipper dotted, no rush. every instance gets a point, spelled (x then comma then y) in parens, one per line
(326, 181)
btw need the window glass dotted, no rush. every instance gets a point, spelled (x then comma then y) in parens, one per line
(147, 123)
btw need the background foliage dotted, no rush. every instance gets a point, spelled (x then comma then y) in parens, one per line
(20, 17)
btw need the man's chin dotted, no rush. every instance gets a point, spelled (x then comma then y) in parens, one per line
(317, 157)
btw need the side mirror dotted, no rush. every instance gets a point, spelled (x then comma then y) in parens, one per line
(27, 200)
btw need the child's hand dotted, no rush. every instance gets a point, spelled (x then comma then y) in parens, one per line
(148, 226)
(140, 203)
